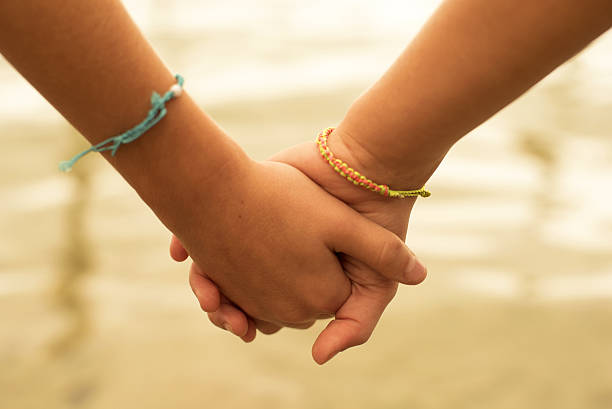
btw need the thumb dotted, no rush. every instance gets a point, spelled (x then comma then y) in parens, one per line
(354, 321)
(380, 249)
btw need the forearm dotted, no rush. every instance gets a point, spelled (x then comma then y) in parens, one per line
(472, 58)
(90, 61)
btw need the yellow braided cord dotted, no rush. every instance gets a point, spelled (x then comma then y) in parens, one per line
(357, 178)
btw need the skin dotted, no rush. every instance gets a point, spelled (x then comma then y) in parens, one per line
(90, 61)
(355, 321)
(471, 59)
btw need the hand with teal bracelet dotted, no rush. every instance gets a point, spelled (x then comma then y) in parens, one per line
(273, 253)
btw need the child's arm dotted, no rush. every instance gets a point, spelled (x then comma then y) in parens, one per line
(91, 62)
(471, 59)
(253, 225)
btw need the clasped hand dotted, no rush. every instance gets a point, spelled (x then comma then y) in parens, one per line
(288, 242)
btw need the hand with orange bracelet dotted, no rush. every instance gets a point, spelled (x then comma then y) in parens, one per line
(370, 292)
(471, 59)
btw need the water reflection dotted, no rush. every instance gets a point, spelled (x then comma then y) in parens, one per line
(75, 258)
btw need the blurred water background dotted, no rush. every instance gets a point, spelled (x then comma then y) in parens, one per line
(516, 311)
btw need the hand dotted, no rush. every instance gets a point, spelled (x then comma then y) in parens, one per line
(274, 255)
(370, 291)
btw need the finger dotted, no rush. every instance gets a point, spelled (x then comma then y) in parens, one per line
(230, 318)
(266, 327)
(354, 321)
(177, 251)
(379, 248)
(204, 289)
(221, 312)
(251, 331)
(304, 325)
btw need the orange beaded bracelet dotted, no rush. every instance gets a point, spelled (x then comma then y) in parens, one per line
(358, 179)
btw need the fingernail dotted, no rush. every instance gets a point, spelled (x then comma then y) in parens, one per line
(416, 268)
(228, 327)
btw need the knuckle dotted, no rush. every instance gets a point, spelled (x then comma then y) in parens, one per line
(214, 319)
(293, 316)
(302, 325)
(327, 303)
(307, 310)
(389, 251)
(328, 306)
(267, 328)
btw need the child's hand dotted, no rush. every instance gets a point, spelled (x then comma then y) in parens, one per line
(370, 291)
(271, 248)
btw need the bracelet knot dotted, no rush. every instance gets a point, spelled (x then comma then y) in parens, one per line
(156, 113)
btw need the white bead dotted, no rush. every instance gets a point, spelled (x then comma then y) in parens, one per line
(177, 90)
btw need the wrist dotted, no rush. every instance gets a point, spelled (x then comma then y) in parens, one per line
(367, 161)
(401, 162)
(184, 167)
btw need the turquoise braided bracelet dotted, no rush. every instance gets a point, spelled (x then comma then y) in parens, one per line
(156, 113)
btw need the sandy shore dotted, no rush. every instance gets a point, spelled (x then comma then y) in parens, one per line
(95, 315)
(516, 311)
